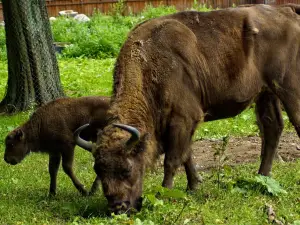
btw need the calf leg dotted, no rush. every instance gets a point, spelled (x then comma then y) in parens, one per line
(67, 163)
(54, 162)
(270, 123)
(178, 152)
(95, 186)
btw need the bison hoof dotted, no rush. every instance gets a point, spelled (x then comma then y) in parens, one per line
(193, 184)
(52, 194)
(92, 193)
(192, 187)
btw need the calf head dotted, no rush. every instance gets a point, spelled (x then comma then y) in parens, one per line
(16, 147)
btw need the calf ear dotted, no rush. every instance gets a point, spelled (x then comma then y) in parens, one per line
(19, 134)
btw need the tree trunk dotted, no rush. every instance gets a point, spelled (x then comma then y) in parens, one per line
(33, 74)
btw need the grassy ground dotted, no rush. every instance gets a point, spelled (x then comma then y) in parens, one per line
(233, 199)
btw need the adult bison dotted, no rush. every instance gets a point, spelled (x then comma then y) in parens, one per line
(178, 70)
(50, 130)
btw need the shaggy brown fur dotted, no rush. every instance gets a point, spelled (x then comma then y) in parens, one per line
(178, 70)
(50, 130)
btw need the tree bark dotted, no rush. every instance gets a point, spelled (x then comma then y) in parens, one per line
(33, 74)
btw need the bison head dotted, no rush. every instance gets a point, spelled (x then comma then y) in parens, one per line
(15, 147)
(119, 163)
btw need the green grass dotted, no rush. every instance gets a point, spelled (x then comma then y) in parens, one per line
(24, 188)
(83, 77)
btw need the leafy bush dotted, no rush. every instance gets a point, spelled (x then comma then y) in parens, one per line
(260, 183)
(201, 7)
(101, 37)
(152, 12)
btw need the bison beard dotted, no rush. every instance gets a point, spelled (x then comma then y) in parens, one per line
(50, 130)
(178, 70)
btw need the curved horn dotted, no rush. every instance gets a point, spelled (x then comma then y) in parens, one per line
(81, 142)
(135, 134)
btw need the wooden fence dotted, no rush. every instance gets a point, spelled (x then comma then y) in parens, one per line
(89, 6)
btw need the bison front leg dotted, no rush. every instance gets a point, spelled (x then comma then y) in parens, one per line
(178, 152)
(67, 163)
(54, 162)
(271, 125)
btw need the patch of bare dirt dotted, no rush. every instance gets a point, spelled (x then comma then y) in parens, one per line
(243, 150)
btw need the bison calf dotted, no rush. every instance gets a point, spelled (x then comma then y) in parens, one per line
(50, 130)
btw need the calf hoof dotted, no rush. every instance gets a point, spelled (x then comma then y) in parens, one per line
(92, 193)
(93, 190)
(84, 193)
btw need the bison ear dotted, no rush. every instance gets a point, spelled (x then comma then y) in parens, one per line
(141, 145)
(19, 134)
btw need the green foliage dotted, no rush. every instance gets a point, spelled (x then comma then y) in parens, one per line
(262, 184)
(243, 124)
(166, 193)
(200, 7)
(101, 37)
(3, 77)
(83, 77)
(2, 44)
(118, 9)
(220, 157)
(152, 12)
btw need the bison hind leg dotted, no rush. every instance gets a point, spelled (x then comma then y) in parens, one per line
(192, 176)
(271, 125)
